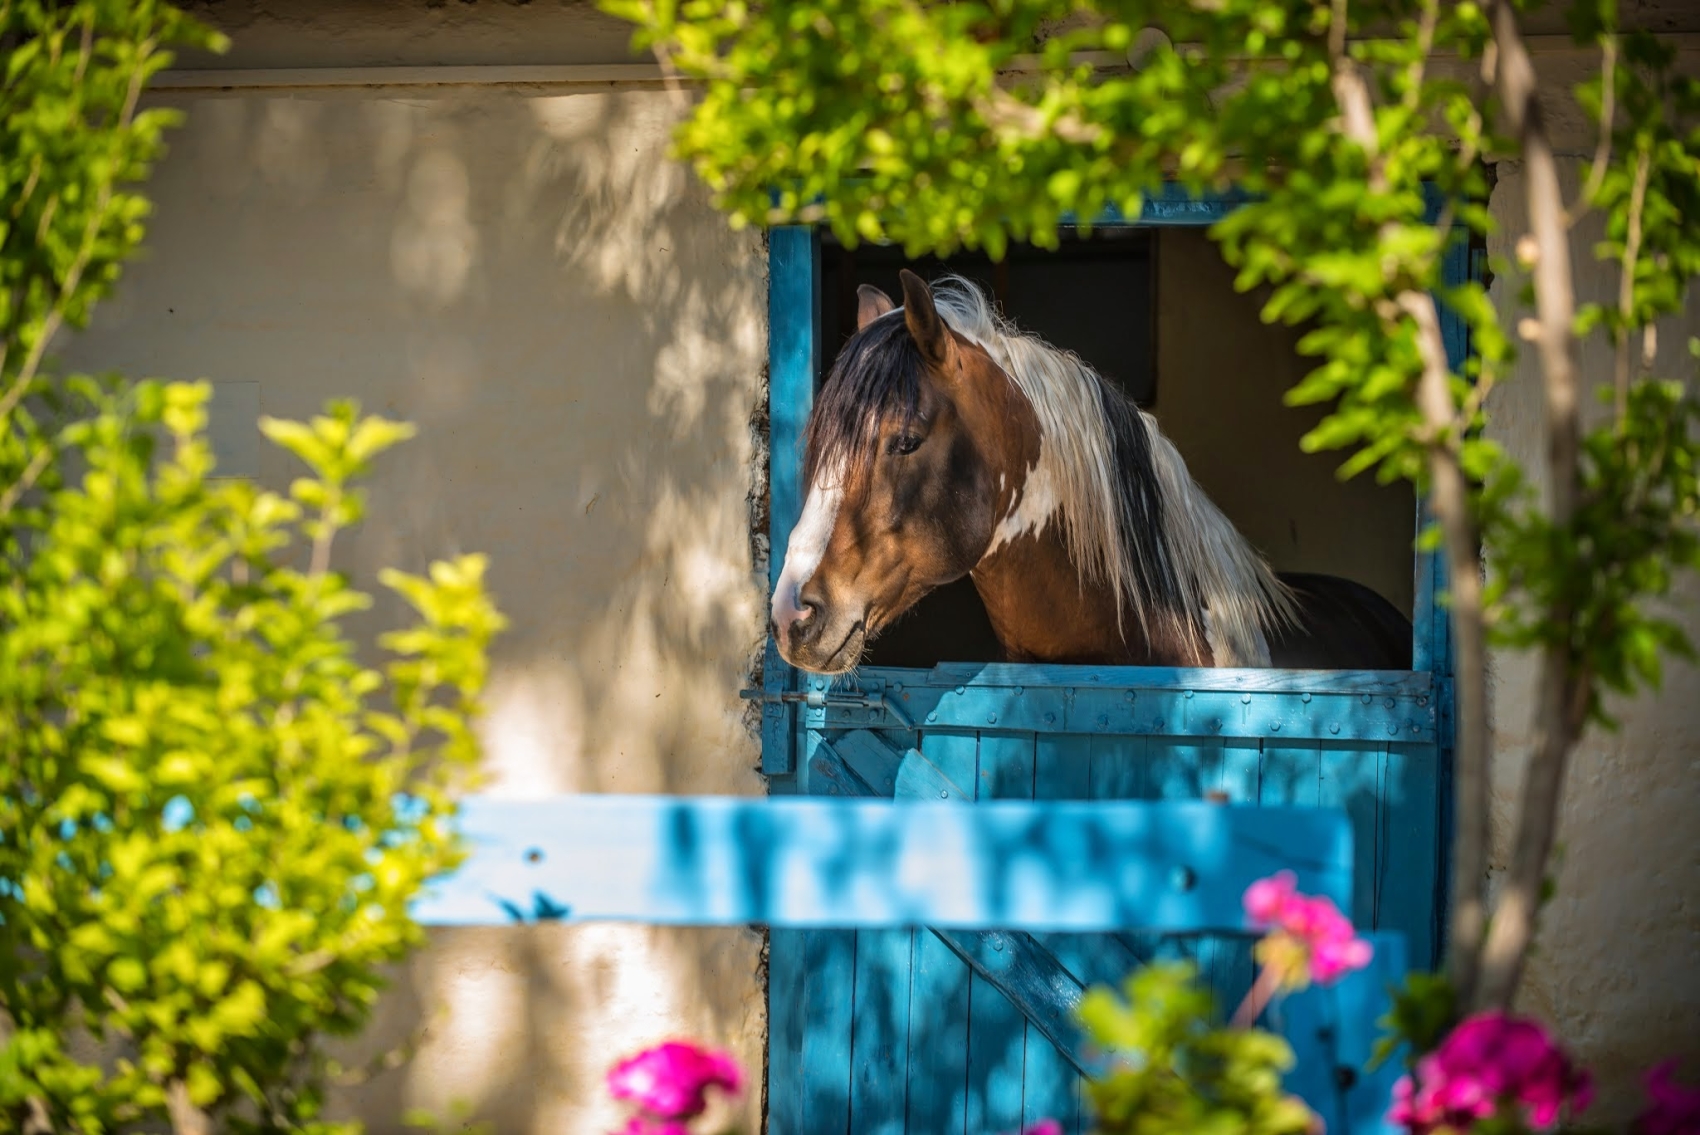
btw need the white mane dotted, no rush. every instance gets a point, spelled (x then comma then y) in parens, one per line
(1225, 584)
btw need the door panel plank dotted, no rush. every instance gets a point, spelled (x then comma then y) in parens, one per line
(938, 999)
(880, 1032)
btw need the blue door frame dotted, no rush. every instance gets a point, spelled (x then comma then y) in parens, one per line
(793, 347)
(1375, 745)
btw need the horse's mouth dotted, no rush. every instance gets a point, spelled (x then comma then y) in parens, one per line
(844, 658)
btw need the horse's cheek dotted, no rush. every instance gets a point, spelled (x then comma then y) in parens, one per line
(966, 505)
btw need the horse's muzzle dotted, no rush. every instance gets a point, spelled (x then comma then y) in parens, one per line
(811, 639)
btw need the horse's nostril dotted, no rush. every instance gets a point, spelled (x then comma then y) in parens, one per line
(805, 623)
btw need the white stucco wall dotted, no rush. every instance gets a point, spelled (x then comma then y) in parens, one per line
(1615, 962)
(581, 342)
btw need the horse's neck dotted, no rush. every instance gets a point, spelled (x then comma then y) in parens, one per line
(1042, 611)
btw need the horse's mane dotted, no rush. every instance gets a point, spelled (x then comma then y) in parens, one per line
(1135, 518)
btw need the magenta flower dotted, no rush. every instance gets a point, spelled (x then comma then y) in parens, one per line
(1309, 939)
(1674, 1110)
(1043, 1127)
(669, 1081)
(1266, 899)
(640, 1125)
(1491, 1060)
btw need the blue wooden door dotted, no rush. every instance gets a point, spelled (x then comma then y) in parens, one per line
(889, 1032)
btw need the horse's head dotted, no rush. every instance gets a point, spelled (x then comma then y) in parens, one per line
(910, 448)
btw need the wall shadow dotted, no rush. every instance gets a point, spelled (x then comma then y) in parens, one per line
(581, 341)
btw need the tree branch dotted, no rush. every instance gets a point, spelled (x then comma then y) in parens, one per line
(321, 561)
(37, 1121)
(670, 76)
(26, 480)
(1626, 282)
(1602, 149)
(85, 252)
(1449, 497)
(1419, 63)
(1558, 723)
(1351, 92)
(186, 1118)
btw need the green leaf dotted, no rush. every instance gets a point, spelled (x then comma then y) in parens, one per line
(112, 773)
(196, 809)
(298, 439)
(374, 435)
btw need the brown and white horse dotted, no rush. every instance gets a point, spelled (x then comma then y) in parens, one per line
(947, 443)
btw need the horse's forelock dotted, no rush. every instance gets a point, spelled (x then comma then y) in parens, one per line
(876, 374)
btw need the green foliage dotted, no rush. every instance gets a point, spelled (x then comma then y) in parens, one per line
(1423, 1010)
(1633, 531)
(941, 126)
(944, 126)
(74, 148)
(1176, 1071)
(213, 813)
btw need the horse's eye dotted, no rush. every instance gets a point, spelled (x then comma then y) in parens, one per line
(904, 444)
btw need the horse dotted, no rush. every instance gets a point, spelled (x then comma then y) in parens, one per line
(946, 442)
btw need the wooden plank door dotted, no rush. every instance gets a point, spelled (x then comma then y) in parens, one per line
(890, 1031)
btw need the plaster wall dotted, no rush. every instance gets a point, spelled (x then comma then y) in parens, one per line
(1614, 967)
(581, 342)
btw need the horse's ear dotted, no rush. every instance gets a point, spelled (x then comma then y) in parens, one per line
(925, 326)
(871, 303)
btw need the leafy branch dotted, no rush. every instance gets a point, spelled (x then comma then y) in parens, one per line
(877, 119)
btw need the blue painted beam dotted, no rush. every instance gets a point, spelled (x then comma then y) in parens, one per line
(1021, 865)
(1121, 702)
(1169, 205)
(1396, 683)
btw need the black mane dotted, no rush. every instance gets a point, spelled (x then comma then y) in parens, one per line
(878, 372)
(1141, 503)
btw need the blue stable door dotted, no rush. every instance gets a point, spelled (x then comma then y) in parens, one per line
(911, 1032)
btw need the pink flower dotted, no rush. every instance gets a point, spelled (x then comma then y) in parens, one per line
(668, 1082)
(640, 1125)
(1309, 940)
(1043, 1127)
(1674, 1110)
(1267, 898)
(1490, 1060)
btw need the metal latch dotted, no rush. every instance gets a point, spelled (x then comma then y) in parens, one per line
(840, 699)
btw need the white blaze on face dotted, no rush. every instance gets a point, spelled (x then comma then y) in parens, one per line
(808, 545)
